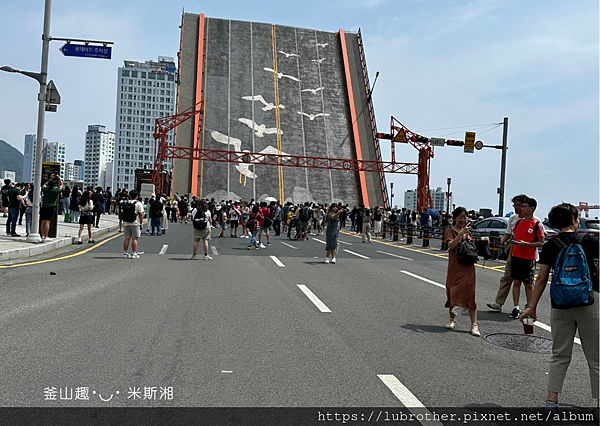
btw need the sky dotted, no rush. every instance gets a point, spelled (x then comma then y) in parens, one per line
(446, 67)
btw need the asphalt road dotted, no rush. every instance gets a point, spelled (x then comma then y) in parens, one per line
(241, 331)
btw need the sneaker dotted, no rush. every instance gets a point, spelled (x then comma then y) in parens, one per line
(261, 245)
(475, 330)
(495, 306)
(207, 257)
(550, 407)
(515, 313)
(256, 247)
(249, 247)
(327, 260)
(268, 243)
(333, 260)
(451, 324)
(78, 242)
(135, 256)
(91, 241)
(193, 256)
(126, 255)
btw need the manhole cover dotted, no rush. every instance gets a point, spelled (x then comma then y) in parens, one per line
(521, 342)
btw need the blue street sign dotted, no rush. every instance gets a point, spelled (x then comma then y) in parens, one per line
(83, 51)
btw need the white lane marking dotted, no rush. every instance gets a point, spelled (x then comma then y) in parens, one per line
(356, 254)
(320, 305)
(395, 255)
(214, 250)
(322, 242)
(226, 371)
(163, 250)
(423, 279)
(406, 397)
(289, 245)
(538, 323)
(277, 261)
(549, 329)
(344, 242)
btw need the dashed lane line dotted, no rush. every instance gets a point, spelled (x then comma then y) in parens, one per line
(164, 248)
(538, 323)
(313, 298)
(277, 261)
(344, 242)
(407, 398)
(321, 241)
(356, 254)
(423, 279)
(214, 250)
(289, 245)
(394, 255)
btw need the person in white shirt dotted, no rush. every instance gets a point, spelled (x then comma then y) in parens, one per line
(132, 229)
(234, 218)
(203, 233)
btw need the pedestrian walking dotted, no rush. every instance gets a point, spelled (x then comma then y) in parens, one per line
(234, 220)
(98, 200)
(15, 201)
(5, 188)
(571, 257)
(74, 205)
(201, 221)
(277, 220)
(29, 209)
(365, 224)
(164, 223)
(253, 224)
(65, 199)
(122, 198)
(86, 216)
(332, 232)
(156, 215)
(183, 210)
(132, 213)
(460, 277)
(50, 194)
(377, 218)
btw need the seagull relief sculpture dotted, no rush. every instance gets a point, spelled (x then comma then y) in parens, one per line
(268, 106)
(280, 75)
(313, 116)
(314, 91)
(260, 131)
(287, 55)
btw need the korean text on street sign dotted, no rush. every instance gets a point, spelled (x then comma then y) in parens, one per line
(437, 141)
(400, 137)
(470, 142)
(83, 51)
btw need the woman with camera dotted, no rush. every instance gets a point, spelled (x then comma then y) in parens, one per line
(460, 278)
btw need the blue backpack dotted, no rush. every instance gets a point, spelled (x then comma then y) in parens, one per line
(571, 281)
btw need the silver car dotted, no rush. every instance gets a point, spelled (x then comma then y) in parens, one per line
(500, 225)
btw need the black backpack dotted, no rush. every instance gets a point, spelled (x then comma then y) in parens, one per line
(466, 252)
(304, 214)
(200, 222)
(128, 213)
(268, 221)
(156, 208)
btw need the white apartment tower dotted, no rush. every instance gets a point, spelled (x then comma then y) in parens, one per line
(146, 91)
(72, 172)
(99, 150)
(56, 153)
(438, 196)
(29, 157)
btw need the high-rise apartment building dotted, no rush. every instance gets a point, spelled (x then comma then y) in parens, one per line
(99, 150)
(146, 90)
(29, 156)
(438, 196)
(81, 164)
(72, 172)
(56, 152)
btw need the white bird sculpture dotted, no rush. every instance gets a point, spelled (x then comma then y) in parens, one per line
(280, 75)
(313, 116)
(320, 61)
(267, 106)
(313, 91)
(322, 44)
(261, 130)
(287, 55)
(243, 168)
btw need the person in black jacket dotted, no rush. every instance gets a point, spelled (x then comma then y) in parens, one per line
(98, 200)
(74, 204)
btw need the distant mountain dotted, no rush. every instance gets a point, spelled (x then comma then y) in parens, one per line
(11, 159)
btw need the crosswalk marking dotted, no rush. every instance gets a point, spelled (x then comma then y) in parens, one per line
(289, 245)
(356, 254)
(317, 302)
(163, 250)
(395, 255)
(277, 261)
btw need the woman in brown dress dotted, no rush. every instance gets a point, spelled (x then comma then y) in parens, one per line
(460, 279)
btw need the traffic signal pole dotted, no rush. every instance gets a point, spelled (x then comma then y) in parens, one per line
(503, 170)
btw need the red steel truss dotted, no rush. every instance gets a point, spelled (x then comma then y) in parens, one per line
(425, 155)
(163, 151)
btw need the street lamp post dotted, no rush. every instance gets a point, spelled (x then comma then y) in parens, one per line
(448, 197)
(392, 195)
(42, 77)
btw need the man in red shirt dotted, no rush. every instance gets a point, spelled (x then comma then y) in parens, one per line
(529, 235)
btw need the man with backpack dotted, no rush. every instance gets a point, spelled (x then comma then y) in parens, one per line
(268, 214)
(201, 221)
(574, 297)
(529, 235)
(156, 214)
(132, 214)
(305, 214)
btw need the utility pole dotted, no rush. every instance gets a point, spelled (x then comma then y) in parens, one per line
(448, 198)
(392, 197)
(503, 170)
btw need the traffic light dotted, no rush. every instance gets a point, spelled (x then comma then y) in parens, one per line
(384, 136)
(454, 142)
(419, 139)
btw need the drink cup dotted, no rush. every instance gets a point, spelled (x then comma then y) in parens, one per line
(485, 241)
(528, 325)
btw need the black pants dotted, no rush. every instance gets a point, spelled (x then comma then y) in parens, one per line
(277, 227)
(97, 213)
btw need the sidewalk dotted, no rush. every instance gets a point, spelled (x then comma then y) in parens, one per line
(17, 247)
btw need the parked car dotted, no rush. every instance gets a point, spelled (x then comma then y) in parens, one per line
(590, 226)
(500, 224)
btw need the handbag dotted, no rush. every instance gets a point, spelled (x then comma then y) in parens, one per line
(67, 217)
(466, 252)
(87, 213)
